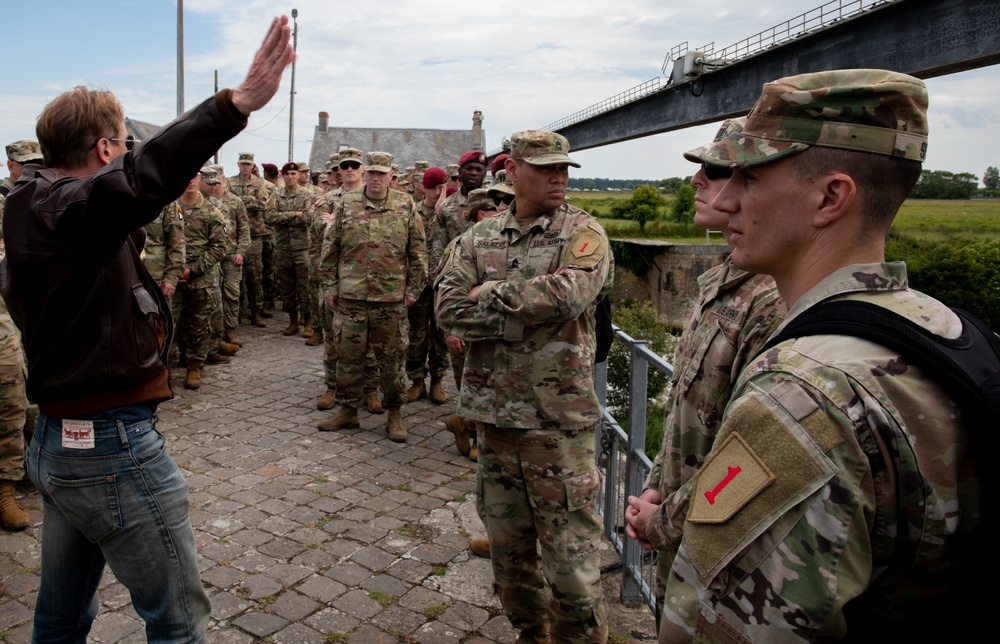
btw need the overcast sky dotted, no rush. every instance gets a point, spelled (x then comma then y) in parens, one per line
(393, 63)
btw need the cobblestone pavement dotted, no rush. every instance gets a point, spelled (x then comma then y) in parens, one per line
(306, 536)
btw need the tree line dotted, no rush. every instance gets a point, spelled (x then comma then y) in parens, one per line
(933, 184)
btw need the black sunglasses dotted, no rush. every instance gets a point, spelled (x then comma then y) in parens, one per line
(353, 165)
(507, 199)
(716, 172)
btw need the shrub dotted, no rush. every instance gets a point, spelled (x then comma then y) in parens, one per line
(643, 206)
(960, 272)
(642, 322)
(682, 208)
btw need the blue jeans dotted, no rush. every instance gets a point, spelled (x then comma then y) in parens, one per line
(123, 502)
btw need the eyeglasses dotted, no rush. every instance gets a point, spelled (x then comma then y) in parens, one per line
(353, 165)
(715, 172)
(129, 142)
(507, 199)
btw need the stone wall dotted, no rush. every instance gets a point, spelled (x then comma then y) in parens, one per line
(672, 272)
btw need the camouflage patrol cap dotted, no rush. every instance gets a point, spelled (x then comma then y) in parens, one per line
(379, 162)
(395, 168)
(479, 199)
(539, 147)
(402, 181)
(24, 152)
(219, 169)
(246, 157)
(210, 175)
(420, 167)
(502, 185)
(866, 110)
(729, 126)
(351, 154)
(303, 166)
(334, 158)
(452, 169)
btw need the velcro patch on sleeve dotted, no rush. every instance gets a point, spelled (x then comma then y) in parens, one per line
(586, 244)
(732, 476)
(780, 466)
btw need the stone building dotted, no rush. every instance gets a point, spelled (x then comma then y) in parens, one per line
(407, 145)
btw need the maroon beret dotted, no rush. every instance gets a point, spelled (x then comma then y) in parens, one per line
(269, 167)
(472, 157)
(433, 177)
(288, 167)
(498, 164)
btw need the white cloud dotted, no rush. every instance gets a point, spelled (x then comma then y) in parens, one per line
(524, 63)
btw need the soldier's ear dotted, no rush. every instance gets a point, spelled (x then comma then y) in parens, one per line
(838, 197)
(510, 165)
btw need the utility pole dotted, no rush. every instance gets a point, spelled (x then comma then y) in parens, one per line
(180, 57)
(216, 92)
(291, 101)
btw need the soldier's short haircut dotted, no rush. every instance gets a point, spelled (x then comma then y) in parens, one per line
(73, 122)
(883, 182)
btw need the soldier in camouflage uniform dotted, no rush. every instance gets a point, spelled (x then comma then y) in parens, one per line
(373, 266)
(521, 290)
(291, 244)
(451, 220)
(237, 247)
(13, 408)
(257, 200)
(840, 495)
(198, 295)
(454, 180)
(735, 314)
(19, 153)
(427, 351)
(163, 254)
(349, 175)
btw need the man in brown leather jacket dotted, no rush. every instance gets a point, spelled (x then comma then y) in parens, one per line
(97, 331)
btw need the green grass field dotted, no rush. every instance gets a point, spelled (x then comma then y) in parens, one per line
(921, 219)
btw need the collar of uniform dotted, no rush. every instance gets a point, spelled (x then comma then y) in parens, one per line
(885, 276)
(511, 222)
(726, 276)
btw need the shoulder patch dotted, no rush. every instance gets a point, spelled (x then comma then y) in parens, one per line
(587, 243)
(729, 479)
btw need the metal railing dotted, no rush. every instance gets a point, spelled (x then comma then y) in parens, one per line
(624, 466)
(632, 94)
(803, 24)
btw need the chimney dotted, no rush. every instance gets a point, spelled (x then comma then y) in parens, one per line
(477, 131)
(324, 122)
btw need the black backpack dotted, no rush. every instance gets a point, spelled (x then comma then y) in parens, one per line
(968, 367)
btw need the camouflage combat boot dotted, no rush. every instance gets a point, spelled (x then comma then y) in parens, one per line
(218, 358)
(373, 402)
(416, 391)
(315, 338)
(480, 547)
(455, 425)
(538, 634)
(394, 423)
(307, 329)
(438, 396)
(346, 417)
(231, 337)
(193, 380)
(255, 320)
(265, 313)
(12, 515)
(293, 325)
(227, 349)
(327, 400)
